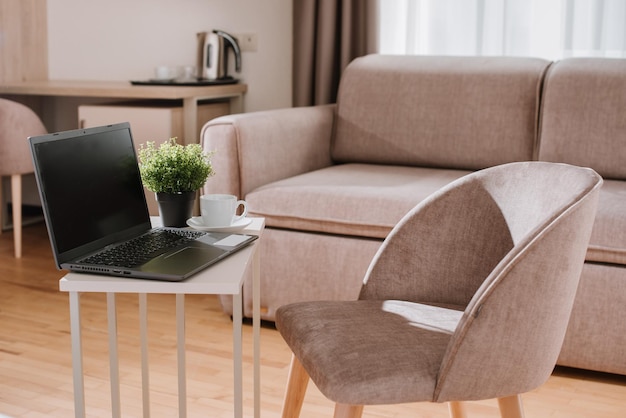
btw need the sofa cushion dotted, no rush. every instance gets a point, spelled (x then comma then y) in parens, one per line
(582, 118)
(608, 238)
(347, 199)
(445, 112)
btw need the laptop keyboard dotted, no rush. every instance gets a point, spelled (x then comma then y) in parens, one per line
(142, 249)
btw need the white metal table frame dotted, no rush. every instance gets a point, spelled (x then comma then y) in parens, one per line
(225, 277)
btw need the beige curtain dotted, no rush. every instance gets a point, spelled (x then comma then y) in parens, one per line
(327, 35)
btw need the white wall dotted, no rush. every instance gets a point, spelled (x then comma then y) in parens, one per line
(126, 39)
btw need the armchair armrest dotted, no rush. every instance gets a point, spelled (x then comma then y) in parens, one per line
(253, 149)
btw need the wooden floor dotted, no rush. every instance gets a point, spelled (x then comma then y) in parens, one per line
(36, 373)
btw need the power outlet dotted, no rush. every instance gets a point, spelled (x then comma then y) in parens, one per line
(247, 42)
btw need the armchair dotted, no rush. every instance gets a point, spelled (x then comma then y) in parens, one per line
(17, 123)
(468, 298)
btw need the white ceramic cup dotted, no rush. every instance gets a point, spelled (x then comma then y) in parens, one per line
(220, 210)
(163, 72)
(187, 72)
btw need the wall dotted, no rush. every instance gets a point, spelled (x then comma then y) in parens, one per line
(23, 55)
(126, 39)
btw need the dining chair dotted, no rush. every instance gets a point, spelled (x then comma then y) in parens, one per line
(468, 297)
(17, 123)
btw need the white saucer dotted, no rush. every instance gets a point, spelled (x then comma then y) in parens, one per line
(196, 223)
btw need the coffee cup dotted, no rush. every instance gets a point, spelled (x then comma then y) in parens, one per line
(220, 210)
(163, 72)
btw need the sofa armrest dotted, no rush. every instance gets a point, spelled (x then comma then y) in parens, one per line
(253, 149)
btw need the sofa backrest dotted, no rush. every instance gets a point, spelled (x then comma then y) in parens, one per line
(583, 116)
(448, 112)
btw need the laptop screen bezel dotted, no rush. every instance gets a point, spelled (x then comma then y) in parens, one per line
(66, 256)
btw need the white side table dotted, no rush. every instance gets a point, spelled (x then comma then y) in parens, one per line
(225, 278)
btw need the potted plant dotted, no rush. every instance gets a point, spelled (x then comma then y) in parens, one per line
(175, 173)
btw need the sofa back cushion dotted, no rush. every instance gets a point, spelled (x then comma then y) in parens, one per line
(446, 112)
(583, 117)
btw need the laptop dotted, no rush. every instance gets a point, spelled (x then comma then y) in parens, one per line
(94, 207)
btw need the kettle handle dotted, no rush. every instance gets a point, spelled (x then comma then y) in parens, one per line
(233, 43)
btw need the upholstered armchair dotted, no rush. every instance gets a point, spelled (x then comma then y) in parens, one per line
(17, 123)
(468, 298)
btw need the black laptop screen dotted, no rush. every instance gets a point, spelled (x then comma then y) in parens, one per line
(90, 182)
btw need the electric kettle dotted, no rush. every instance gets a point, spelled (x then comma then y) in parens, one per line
(213, 54)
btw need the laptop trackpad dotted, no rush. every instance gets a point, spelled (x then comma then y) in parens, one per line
(184, 259)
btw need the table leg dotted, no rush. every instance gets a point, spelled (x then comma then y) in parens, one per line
(237, 353)
(256, 328)
(16, 202)
(182, 378)
(77, 356)
(113, 357)
(145, 371)
(190, 121)
(236, 104)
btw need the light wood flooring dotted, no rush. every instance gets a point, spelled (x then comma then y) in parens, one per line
(36, 373)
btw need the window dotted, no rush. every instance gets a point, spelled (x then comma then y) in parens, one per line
(550, 29)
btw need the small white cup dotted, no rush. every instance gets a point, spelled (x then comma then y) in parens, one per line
(163, 72)
(187, 73)
(220, 210)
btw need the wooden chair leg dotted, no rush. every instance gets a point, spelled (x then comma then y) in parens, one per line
(457, 410)
(511, 407)
(1, 208)
(16, 202)
(297, 382)
(348, 411)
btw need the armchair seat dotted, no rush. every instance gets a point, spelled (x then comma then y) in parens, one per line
(413, 336)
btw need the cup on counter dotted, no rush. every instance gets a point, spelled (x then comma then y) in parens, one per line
(163, 72)
(220, 210)
(187, 73)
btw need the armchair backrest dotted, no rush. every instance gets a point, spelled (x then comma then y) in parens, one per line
(442, 250)
(506, 245)
(17, 123)
(513, 328)
(446, 112)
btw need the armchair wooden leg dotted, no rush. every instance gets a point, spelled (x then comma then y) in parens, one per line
(16, 203)
(348, 411)
(1, 208)
(457, 410)
(511, 407)
(297, 382)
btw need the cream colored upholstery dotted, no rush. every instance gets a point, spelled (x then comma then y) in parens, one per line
(583, 123)
(333, 180)
(468, 298)
(17, 123)
(422, 121)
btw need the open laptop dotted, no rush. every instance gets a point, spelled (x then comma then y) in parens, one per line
(94, 205)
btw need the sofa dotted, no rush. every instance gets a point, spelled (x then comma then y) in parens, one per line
(333, 180)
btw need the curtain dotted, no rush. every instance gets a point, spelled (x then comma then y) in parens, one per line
(327, 35)
(551, 29)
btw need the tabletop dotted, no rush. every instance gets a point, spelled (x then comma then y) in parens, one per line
(224, 277)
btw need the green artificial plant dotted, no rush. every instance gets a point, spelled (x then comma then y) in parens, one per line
(174, 168)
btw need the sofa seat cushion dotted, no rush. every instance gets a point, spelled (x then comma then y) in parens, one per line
(608, 238)
(348, 199)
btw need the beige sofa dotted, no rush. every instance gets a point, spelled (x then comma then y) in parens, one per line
(332, 180)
